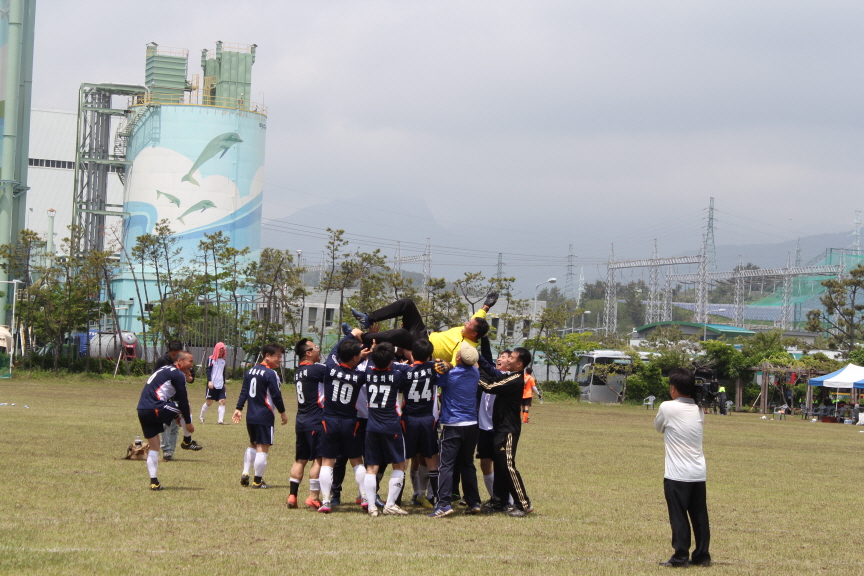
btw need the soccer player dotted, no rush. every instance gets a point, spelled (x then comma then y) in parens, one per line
(445, 344)
(309, 378)
(215, 383)
(528, 393)
(486, 435)
(385, 443)
(261, 388)
(418, 416)
(163, 400)
(507, 387)
(342, 384)
(172, 430)
(459, 433)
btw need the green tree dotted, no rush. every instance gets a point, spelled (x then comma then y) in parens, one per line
(843, 314)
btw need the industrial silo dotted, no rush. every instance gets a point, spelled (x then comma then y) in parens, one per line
(197, 149)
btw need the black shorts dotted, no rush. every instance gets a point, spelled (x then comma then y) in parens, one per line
(260, 433)
(526, 401)
(153, 421)
(383, 449)
(214, 393)
(341, 438)
(308, 445)
(485, 444)
(420, 436)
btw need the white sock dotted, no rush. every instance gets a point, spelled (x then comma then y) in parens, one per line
(314, 485)
(360, 476)
(153, 463)
(415, 482)
(325, 477)
(295, 481)
(248, 459)
(369, 481)
(489, 481)
(187, 436)
(423, 477)
(203, 411)
(221, 411)
(397, 478)
(260, 464)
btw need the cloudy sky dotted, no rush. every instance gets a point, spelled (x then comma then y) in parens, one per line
(522, 126)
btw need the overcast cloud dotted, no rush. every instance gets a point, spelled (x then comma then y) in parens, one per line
(558, 122)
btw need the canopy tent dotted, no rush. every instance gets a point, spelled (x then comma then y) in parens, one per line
(852, 376)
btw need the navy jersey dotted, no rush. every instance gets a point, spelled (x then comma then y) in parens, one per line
(341, 386)
(421, 391)
(261, 389)
(382, 390)
(164, 385)
(309, 379)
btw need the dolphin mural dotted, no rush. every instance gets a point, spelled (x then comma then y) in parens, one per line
(202, 205)
(218, 144)
(172, 199)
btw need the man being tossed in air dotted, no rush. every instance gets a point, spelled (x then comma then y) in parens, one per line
(163, 400)
(261, 388)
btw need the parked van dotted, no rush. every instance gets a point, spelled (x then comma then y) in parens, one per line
(605, 387)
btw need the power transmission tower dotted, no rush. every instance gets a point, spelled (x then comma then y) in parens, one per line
(652, 311)
(709, 238)
(427, 264)
(397, 259)
(610, 311)
(856, 246)
(581, 286)
(426, 258)
(569, 285)
(500, 266)
(702, 283)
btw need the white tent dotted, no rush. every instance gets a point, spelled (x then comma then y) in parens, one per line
(852, 376)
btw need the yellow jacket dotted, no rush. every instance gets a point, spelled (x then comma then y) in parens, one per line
(447, 343)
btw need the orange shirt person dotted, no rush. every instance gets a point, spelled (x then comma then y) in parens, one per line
(528, 393)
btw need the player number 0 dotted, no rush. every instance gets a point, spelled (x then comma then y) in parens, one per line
(253, 387)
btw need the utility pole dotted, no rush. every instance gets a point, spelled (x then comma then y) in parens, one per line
(709, 238)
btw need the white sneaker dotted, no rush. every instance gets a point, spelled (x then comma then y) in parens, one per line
(201, 420)
(394, 510)
(373, 511)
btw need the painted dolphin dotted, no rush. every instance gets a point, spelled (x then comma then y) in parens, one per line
(218, 144)
(202, 205)
(173, 199)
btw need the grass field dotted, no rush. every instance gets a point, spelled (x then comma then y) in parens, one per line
(781, 496)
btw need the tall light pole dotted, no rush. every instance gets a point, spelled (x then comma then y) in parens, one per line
(582, 323)
(534, 314)
(705, 326)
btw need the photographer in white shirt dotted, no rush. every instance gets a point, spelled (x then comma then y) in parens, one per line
(681, 421)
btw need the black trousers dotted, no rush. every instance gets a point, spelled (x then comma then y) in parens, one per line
(413, 327)
(339, 475)
(721, 402)
(457, 453)
(508, 481)
(683, 499)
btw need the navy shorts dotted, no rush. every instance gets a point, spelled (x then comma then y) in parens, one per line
(486, 444)
(214, 393)
(341, 438)
(420, 436)
(260, 433)
(383, 449)
(308, 445)
(153, 421)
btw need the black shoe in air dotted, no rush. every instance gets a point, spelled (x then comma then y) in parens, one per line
(362, 318)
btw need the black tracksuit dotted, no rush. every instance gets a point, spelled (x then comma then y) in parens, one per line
(507, 425)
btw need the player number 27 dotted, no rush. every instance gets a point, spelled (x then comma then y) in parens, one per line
(373, 393)
(415, 396)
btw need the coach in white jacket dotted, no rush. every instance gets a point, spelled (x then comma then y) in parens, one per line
(681, 421)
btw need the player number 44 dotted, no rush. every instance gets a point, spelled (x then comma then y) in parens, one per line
(415, 396)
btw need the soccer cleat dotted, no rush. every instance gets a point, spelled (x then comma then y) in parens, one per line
(462, 502)
(423, 501)
(291, 501)
(167, 457)
(220, 422)
(362, 319)
(441, 512)
(378, 502)
(359, 500)
(364, 503)
(394, 510)
(373, 512)
(155, 486)
(346, 329)
(190, 445)
(244, 480)
(325, 507)
(476, 509)
(517, 513)
(414, 500)
(313, 503)
(336, 500)
(495, 508)
(201, 420)
(261, 484)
